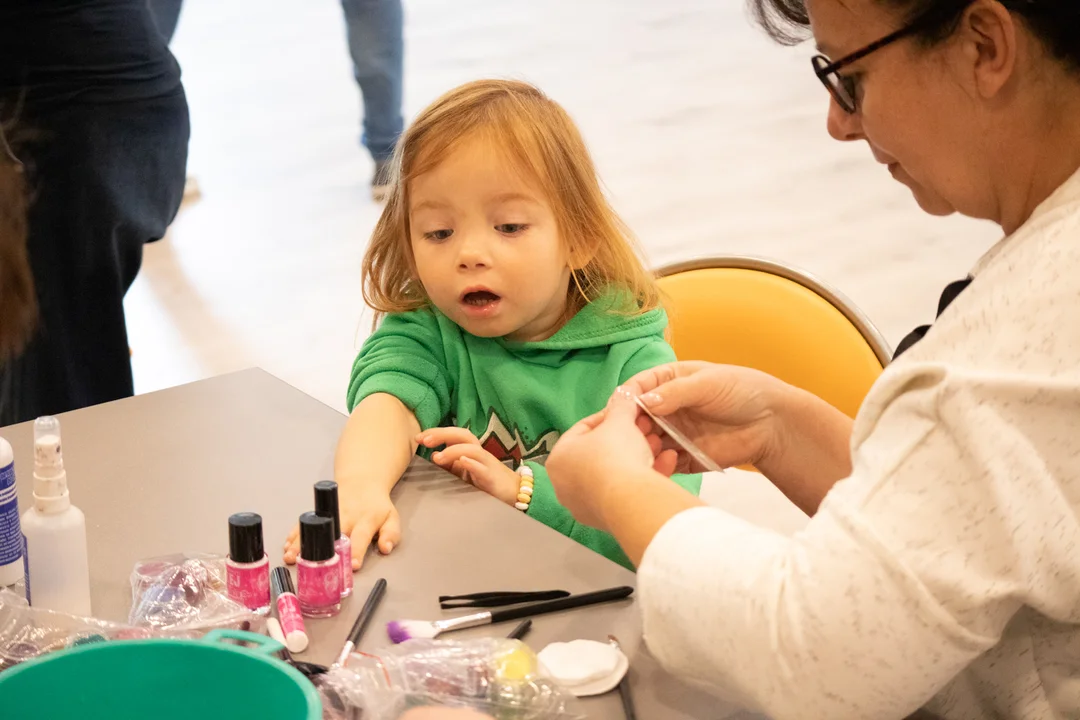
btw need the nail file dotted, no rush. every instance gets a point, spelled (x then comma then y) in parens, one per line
(681, 440)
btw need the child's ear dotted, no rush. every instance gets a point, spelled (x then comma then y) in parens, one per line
(581, 255)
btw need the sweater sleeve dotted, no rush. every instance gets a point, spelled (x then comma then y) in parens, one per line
(952, 520)
(405, 358)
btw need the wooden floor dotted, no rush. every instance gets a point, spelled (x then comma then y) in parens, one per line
(710, 138)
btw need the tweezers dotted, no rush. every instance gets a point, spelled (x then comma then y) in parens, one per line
(497, 599)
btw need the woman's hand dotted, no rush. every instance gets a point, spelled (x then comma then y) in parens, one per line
(727, 411)
(737, 416)
(604, 471)
(463, 456)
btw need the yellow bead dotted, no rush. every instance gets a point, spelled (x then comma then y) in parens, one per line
(523, 498)
(526, 482)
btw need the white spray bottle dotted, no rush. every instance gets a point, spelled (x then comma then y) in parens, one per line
(57, 571)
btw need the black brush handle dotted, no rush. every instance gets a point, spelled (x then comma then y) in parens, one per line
(365, 615)
(550, 606)
(521, 630)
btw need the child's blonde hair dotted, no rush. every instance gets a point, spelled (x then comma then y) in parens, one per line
(545, 144)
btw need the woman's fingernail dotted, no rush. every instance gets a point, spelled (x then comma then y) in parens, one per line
(437, 457)
(651, 399)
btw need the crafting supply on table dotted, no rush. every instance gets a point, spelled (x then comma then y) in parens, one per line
(326, 505)
(286, 607)
(521, 630)
(584, 667)
(247, 569)
(57, 569)
(497, 599)
(402, 630)
(624, 686)
(318, 569)
(11, 539)
(362, 621)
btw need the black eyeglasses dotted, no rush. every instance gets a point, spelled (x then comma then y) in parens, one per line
(842, 87)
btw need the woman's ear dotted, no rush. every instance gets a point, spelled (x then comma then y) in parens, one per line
(992, 40)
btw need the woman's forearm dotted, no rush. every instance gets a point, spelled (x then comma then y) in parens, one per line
(376, 445)
(811, 450)
(637, 506)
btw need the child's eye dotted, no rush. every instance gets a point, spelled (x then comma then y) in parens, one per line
(511, 228)
(438, 235)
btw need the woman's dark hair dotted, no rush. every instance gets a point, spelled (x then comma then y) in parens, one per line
(1055, 22)
(18, 305)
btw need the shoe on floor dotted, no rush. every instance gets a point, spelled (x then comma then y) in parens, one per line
(381, 182)
(191, 190)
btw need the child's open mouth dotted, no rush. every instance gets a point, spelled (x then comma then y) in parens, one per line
(479, 302)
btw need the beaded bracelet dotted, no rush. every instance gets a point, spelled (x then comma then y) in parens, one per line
(525, 491)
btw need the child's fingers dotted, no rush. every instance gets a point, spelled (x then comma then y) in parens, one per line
(390, 534)
(446, 458)
(446, 436)
(292, 546)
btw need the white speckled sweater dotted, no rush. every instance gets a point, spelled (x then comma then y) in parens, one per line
(945, 572)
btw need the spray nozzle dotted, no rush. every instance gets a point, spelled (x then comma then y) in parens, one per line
(48, 457)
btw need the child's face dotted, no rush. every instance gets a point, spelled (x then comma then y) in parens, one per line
(487, 248)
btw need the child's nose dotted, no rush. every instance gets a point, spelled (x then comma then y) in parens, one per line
(473, 253)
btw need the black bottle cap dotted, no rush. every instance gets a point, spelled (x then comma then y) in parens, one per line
(245, 538)
(280, 582)
(326, 504)
(316, 538)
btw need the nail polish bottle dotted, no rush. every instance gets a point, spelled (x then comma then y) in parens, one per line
(287, 606)
(326, 505)
(247, 569)
(318, 569)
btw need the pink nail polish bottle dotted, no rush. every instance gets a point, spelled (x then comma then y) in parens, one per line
(326, 505)
(318, 569)
(247, 569)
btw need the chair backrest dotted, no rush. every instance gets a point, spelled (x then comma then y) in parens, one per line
(762, 314)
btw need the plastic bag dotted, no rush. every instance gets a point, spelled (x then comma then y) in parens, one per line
(179, 597)
(27, 632)
(186, 592)
(493, 675)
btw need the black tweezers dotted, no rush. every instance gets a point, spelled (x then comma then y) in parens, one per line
(497, 599)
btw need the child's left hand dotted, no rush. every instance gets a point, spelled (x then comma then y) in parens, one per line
(465, 458)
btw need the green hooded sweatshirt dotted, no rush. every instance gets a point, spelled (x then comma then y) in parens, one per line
(515, 397)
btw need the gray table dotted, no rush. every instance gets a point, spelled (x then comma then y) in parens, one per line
(160, 473)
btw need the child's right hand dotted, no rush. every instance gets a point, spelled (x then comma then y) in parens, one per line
(364, 515)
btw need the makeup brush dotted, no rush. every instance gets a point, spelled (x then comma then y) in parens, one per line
(362, 621)
(402, 630)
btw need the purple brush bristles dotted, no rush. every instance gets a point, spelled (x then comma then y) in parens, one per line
(397, 631)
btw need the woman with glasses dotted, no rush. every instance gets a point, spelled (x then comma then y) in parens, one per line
(941, 567)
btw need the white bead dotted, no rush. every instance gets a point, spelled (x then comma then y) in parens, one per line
(522, 506)
(526, 490)
(525, 470)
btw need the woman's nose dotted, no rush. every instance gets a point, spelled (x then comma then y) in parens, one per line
(842, 125)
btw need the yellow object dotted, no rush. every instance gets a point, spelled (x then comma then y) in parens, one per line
(523, 498)
(516, 664)
(761, 314)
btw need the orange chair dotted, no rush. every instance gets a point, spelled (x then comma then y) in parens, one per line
(761, 314)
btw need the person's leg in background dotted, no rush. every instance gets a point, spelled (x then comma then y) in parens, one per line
(374, 29)
(105, 179)
(166, 14)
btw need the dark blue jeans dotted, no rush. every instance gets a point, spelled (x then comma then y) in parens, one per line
(374, 31)
(105, 178)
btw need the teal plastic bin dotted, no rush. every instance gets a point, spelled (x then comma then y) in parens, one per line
(160, 679)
